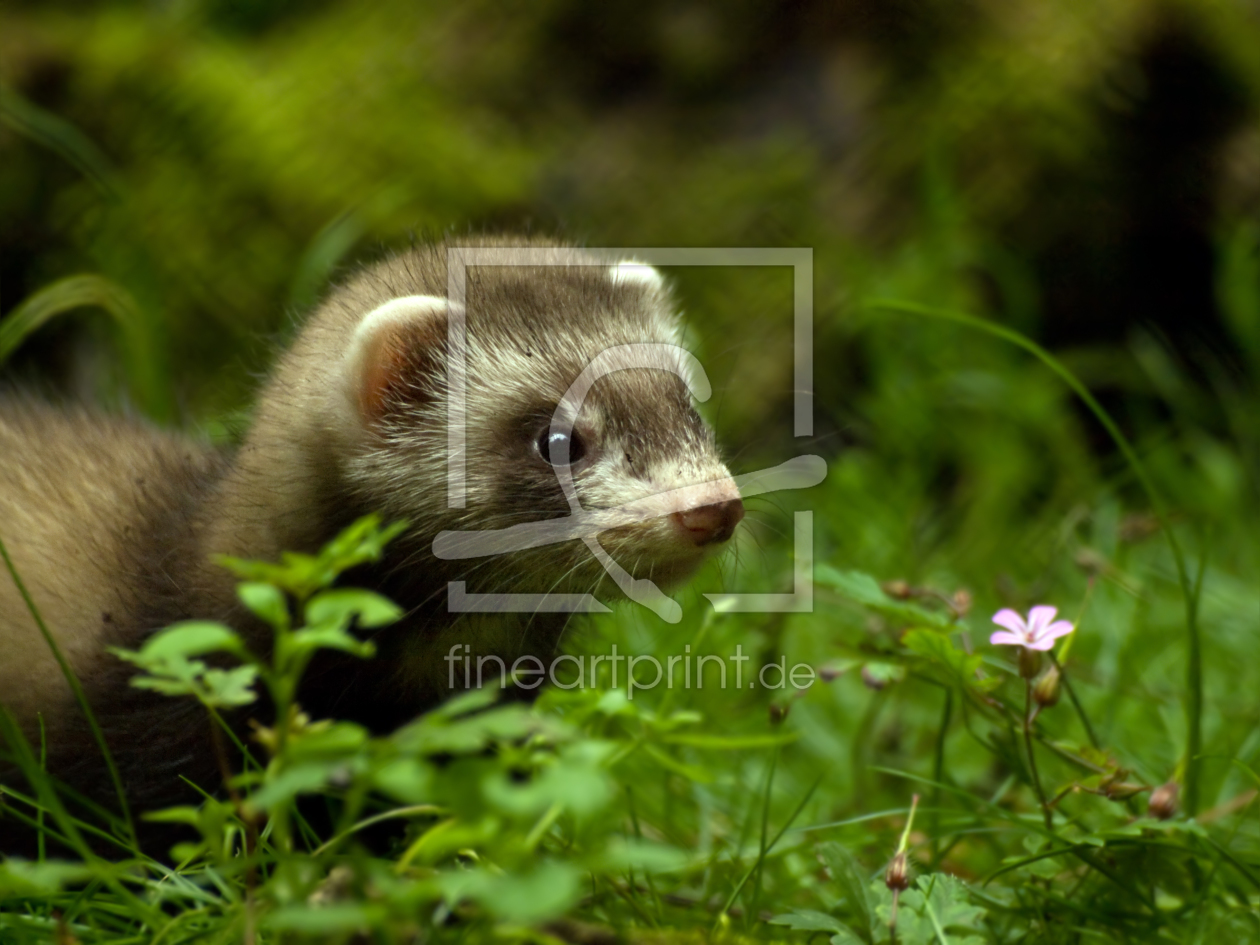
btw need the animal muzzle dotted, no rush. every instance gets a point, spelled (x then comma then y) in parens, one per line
(710, 524)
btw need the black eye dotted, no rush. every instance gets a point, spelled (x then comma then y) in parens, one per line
(551, 447)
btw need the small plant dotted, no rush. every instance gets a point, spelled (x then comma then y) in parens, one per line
(482, 786)
(503, 813)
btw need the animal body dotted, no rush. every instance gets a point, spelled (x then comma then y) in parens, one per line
(112, 523)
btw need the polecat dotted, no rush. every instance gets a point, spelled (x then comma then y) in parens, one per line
(112, 523)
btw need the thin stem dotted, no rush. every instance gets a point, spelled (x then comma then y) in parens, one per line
(633, 901)
(47, 797)
(904, 842)
(247, 758)
(394, 814)
(730, 901)
(896, 876)
(1189, 593)
(861, 743)
(1066, 646)
(1194, 673)
(1076, 703)
(765, 834)
(545, 823)
(79, 695)
(43, 766)
(1032, 758)
(938, 773)
(638, 833)
(249, 820)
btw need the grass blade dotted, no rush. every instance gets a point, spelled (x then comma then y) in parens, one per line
(79, 695)
(92, 291)
(60, 137)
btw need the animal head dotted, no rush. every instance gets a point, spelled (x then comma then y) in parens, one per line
(571, 402)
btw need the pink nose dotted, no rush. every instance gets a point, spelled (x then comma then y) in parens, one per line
(709, 524)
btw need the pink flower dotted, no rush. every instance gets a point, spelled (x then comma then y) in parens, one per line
(1039, 633)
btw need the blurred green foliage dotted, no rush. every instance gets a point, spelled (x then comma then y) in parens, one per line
(1086, 174)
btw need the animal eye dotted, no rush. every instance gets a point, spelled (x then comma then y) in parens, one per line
(551, 447)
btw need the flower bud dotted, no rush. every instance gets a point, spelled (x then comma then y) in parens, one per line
(1123, 790)
(829, 673)
(962, 601)
(1163, 803)
(1046, 689)
(1091, 562)
(1029, 662)
(898, 590)
(778, 712)
(897, 876)
(871, 681)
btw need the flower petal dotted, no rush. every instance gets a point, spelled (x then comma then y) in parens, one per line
(1039, 618)
(1011, 621)
(1003, 638)
(1060, 628)
(1045, 643)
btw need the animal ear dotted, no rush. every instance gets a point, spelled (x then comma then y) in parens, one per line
(631, 272)
(396, 354)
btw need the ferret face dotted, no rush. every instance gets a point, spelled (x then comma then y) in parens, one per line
(577, 410)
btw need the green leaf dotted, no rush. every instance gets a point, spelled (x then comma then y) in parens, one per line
(943, 904)
(307, 641)
(324, 920)
(225, 688)
(324, 739)
(360, 543)
(467, 702)
(264, 572)
(24, 878)
(170, 672)
(641, 855)
(807, 920)
(957, 665)
(338, 607)
(865, 590)
(175, 815)
(852, 881)
(304, 778)
(615, 702)
(432, 734)
(192, 638)
(303, 575)
(546, 892)
(210, 819)
(172, 682)
(580, 788)
(884, 673)
(265, 601)
(406, 779)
